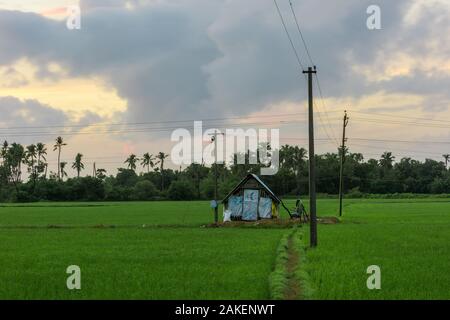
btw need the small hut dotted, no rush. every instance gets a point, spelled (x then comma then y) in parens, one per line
(251, 200)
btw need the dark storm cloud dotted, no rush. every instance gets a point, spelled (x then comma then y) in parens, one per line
(28, 113)
(153, 56)
(187, 59)
(28, 120)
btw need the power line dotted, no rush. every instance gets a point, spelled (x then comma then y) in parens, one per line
(367, 139)
(401, 141)
(150, 129)
(400, 116)
(317, 77)
(152, 122)
(288, 35)
(388, 121)
(325, 108)
(327, 124)
(300, 32)
(324, 127)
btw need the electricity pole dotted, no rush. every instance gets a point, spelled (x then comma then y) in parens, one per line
(341, 175)
(312, 167)
(216, 208)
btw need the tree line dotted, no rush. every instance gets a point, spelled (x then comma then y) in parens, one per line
(381, 176)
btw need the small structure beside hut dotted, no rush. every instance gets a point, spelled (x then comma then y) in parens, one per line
(251, 200)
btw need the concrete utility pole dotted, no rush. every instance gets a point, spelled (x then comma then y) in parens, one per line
(312, 166)
(341, 175)
(216, 208)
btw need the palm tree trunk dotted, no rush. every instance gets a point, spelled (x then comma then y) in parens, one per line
(34, 174)
(59, 169)
(198, 185)
(162, 177)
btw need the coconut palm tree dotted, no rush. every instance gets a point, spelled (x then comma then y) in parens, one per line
(131, 161)
(77, 164)
(386, 160)
(299, 156)
(30, 160)
(100, 173)
(41, 153)
(161, 157)
(31, 155)
(58, 145)
(63, 173)
(447, 159)
(147, 161)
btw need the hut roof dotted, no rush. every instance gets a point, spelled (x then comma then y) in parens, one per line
(248, 177)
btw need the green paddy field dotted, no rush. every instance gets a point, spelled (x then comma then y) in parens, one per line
(163, 250)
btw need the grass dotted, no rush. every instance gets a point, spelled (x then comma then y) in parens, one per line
(278, 277)
(79, 214)
(174, 257)
(137, 263)
(408, 239)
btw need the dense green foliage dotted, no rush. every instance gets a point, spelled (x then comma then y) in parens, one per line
(383, 176)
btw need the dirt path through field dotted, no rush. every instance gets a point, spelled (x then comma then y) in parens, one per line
(292, 291)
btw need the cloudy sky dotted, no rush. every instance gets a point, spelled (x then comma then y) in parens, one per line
(136, 69)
